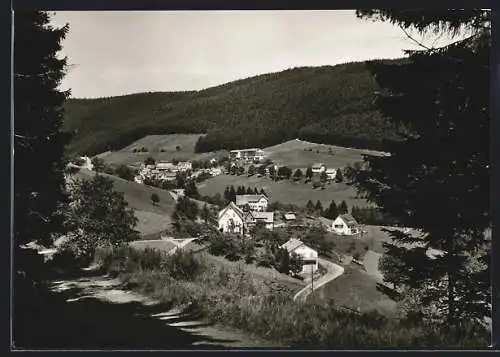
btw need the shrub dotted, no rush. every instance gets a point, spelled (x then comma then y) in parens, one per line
(155, 199)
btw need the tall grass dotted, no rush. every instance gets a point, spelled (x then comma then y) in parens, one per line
(237, 299)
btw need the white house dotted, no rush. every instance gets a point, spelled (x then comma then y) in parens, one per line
(345, 224)
(255, 202)
(232, 219)
(308, 255)
(255, 154)
(318, 168)
(289, 217)
(331, 174)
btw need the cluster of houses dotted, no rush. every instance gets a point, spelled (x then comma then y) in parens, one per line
(239, 217)
(162, 171)
(167, 171)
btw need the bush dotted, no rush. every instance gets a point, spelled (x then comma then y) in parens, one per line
(236, 298)
(125, 259)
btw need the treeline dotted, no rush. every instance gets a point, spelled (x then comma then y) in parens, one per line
(333, 104)
(229, 195)
(373, 216)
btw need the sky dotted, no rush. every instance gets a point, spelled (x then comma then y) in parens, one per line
(117, 53)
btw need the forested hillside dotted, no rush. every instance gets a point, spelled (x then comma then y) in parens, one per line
(329, 104)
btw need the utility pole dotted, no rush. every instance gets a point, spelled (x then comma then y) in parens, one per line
(312, 279)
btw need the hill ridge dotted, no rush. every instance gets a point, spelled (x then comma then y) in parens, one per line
(325, 104)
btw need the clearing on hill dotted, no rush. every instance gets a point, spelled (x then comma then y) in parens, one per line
(301, 154)
(161, 148)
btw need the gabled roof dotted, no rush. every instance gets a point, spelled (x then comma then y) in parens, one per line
(267, 217)
(348, 219)
(292, 244)
(232, 206)
(318, 165)
(331, 170)
(242, 200)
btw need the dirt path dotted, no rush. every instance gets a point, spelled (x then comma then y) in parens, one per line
(334, 271)
(125, 319)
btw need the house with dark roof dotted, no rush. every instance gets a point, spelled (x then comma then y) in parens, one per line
(345, 224)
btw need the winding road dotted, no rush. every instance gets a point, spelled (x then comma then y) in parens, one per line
(334, 271)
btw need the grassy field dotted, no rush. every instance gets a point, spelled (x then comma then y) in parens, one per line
(357, 289)
(154, 144)
(287, 192)
(301, 154)
(152, 218)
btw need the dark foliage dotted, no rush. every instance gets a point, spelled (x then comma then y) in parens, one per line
(324, 104)
(437, 178)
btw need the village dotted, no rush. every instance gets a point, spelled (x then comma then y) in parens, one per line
(251, 210)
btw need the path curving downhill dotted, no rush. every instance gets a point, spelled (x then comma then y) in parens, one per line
(125, 319)
(334, 271)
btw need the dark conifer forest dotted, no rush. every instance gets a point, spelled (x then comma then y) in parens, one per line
(329, 104)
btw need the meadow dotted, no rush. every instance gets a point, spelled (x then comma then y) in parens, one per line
(174, 146)
(288, 192)
(152, 219)
(301, 154)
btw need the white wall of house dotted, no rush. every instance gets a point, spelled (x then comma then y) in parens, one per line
(260, 205)
(308, 254)
(230, 222)
(318, 170)
(331, 174)
(340, 227)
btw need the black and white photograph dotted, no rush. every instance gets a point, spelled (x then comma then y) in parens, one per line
(251, 179)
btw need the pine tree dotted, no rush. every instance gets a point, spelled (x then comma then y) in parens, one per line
(39, 143)
(332, 211)
(310, 206)
(255, 191)
(297, 176)
(343, 208)
(232, 194)
(227, 194)
(309, 173)
(249, 191)
(319, 207)
(339, 177)
(437, 177)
